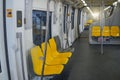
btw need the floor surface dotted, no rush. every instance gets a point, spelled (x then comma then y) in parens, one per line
(87, 63)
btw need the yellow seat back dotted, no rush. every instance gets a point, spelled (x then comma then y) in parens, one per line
(115, 31)
(53, 44)
(36, 54)
(96, 31)
(89, 21)
(106, 31)
(48, 52)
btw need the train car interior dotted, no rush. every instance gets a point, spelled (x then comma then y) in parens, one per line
(60, 40)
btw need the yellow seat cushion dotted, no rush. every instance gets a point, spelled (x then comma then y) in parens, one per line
(106, 31)
(96, 31)
(115, 31)
(50, 60)
(53, 47)
(89, 21)
(37, 63)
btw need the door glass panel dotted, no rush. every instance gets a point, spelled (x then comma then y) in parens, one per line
(72, 17)
(39, 26)
(64, 21)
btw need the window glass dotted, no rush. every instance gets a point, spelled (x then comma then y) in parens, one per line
(39, 26)
(72, 17)
(64, 29)
(79, 16)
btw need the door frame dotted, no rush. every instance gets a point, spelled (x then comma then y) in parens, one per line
(4, 60)
(5, 38)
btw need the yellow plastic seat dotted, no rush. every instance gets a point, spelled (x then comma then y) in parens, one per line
(36, 56)
(96, 31)
(106, 31)
(115, 31)
(53, 47)
(50, 60)
(86, 25)
(89, 21)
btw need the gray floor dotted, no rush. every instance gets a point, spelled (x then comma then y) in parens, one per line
(88, 64)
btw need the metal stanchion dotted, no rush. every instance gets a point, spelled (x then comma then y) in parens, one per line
(46, 40)
(102, 24)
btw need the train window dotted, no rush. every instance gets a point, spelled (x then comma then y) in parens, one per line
(72, 17)
(79, 16)
(39, 26)
(64, 19)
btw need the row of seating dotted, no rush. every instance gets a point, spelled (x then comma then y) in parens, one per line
(107, 31)
(55, 60)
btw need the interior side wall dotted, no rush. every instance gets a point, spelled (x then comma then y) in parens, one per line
(57, 9)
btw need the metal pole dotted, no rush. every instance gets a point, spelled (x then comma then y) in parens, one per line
(46, 40)
(67, 27)
(19, 36)
(102, 24)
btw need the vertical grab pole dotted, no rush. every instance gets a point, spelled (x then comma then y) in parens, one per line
(46, 40)
(101, 28)
(67, 29)
(102, 24)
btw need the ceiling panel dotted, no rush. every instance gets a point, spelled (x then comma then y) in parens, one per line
(93, 3)
(97, 3)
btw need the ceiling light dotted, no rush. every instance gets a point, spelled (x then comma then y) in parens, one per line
(119, 1)
(115, 3)
(96, 15)
(90, 10)
(82, 0)
(107, 8)
(85, 4)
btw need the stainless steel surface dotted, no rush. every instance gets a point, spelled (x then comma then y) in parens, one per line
(46, 38)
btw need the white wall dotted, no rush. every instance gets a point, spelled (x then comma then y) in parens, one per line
(14, 45)
(82, 22)
(57, 28)
(42, 5)
(76, 25)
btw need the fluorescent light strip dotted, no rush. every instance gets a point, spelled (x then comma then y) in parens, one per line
(107, 8)
(85, 4)
(82, 0)
(119, 1)
(90, 11)
(115, 3)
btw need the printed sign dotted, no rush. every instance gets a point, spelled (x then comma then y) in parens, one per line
(9, 13)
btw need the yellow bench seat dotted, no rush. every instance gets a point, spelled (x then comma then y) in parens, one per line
(115, 32)
(51, 60)
(96, 31)
(106, 31)
(53, 46)
(36, 55)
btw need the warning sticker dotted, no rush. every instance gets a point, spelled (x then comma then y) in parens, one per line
(9, 13)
